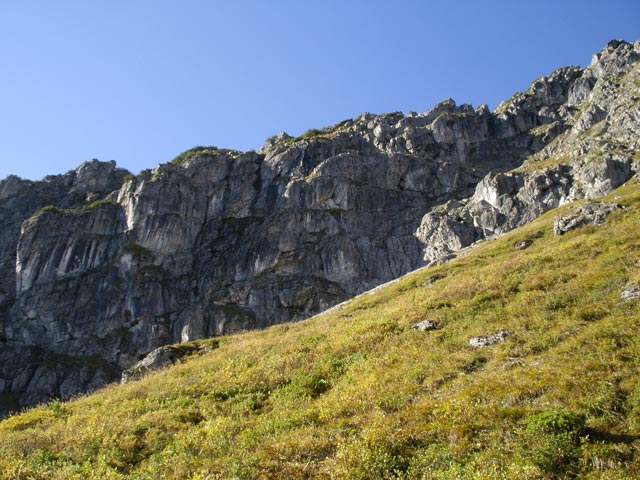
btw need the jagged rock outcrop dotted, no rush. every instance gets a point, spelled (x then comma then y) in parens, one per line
(591, 213)
(98, 264)
(589, 123)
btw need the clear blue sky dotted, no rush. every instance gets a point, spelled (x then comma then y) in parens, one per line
(139, 81)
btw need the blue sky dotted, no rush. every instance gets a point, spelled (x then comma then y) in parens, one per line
(139, 81)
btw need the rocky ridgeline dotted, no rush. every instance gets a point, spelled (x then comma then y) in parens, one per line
(591, 145)
(99, 268)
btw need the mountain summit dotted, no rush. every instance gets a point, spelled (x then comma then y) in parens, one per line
(100, 267)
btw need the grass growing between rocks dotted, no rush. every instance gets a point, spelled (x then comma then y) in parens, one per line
(358, 393)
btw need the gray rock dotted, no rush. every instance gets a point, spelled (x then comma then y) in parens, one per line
(273, 141)
(630, 292)
(159, 358)
(32, 375)
(591, 213)
(427, 325)
(490, 340)
(594, 129)
(600, 178)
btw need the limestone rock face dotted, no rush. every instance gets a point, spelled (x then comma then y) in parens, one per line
(99, 268)
(586, 124)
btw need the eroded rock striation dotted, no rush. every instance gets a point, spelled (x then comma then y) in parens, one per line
(100, 267)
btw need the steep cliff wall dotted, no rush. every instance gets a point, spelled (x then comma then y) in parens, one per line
(219, 240)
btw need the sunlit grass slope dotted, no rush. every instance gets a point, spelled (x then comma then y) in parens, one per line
(358, 393)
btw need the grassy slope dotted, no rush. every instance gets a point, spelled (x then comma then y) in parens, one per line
(358, 393)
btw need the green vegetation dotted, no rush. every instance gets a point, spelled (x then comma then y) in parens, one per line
(84, 208)
(137, 250)
(552, 440)
(123, 332)
(357, 393)
(531, 166)
(320, 133)
(194, 152)
(50, 209)
(98, 204)
(312, 132)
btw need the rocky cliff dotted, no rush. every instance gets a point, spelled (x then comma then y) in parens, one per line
(99, 267)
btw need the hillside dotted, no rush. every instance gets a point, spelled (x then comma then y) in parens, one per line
(358, 392)
(99, 267)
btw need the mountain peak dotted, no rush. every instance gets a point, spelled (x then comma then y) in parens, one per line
(102, 264)
(615, 58)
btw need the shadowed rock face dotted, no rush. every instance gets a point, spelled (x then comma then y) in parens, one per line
(221, 240)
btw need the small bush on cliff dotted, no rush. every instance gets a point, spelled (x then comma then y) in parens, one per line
(137, 250)
(194, 152)
(98, 204)
(312, 132)
(50, 209)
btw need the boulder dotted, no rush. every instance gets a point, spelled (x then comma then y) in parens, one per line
(427, 325)
(490, 340)
(590, 213)
(159, 358)
(630, 292)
